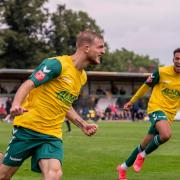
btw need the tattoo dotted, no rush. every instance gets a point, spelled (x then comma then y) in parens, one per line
(78, 123)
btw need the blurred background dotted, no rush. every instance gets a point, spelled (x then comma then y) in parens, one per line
(33, 30)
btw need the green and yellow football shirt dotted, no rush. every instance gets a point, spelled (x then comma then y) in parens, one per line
(165, 94)
(58, 83)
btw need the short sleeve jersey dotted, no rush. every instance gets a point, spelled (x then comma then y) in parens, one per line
(58, 84)
(165, 94)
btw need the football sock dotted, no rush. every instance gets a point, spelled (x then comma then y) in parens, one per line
(153, 145)
(124, 166)
(129, 162)
(143, 154)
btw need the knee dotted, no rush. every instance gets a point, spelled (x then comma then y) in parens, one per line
(59, 174)
(165, 137)
(4, 176)
(54, 175)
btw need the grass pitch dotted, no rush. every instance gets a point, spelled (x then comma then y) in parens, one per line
(96, 158)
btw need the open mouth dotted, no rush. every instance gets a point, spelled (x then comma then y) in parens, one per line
(177, 65)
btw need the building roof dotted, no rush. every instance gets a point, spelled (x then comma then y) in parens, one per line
(23, 74)
(116, 76)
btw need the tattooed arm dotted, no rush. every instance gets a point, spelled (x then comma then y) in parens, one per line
(88, 129)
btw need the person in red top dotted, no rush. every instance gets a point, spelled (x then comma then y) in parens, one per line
(3, 112)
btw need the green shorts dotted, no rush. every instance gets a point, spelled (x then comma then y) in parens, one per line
(26, 143)
(153, 118)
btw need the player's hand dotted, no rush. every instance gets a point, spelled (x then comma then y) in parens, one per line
(90, 129)
(17, 110)
(127, 106)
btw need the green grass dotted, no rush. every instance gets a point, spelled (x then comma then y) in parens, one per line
(96, 158)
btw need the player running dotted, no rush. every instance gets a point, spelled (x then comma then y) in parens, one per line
(162, 108)
(41, 104)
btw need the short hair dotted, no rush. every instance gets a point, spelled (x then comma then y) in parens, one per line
(176, 51)
(87, 36)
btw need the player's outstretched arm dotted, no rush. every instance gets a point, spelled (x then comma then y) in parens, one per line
(20, 95)
(141, 91)
(88, 129)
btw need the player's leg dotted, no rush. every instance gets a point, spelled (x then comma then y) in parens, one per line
(129, 162)
(140, 157)
(148, 138)
(6, 172)
(163, 134)
(51, 169)
(164, 129)
(48, 158)
(15, 155)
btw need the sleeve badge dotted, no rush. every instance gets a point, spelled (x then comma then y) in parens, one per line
(39, 75)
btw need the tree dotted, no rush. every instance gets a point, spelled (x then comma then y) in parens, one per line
(30, 33)
(22, 41)
(124, 60)
(66, 24)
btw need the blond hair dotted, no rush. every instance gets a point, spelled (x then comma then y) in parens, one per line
(88, 37)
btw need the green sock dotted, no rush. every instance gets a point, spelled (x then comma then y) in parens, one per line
(129, 162)
(153, 145)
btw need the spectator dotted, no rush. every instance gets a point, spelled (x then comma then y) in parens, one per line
(3, 90)
(114, 110)
(92, 115)
(68, 124)
(8, 104)
(122, 91)
(85, 112)
(108, 113)
(3, 112)
(100, 114)
(114, 89)
(108, 93)
(136, 112)
(100, 91)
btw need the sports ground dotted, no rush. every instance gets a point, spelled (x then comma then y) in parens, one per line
(96, 158)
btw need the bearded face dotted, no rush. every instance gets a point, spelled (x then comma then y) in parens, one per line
(96, 51)
(176, 61)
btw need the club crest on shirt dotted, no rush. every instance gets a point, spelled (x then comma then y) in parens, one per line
(150, 79)
(39, 75)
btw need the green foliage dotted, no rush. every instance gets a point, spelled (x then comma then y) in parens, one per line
(29, 33)
(66, 24)
(124, 60)
(23, 37)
